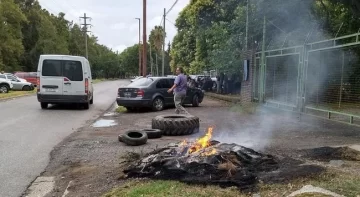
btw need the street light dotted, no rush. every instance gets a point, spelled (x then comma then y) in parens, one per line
(144, 59)
(139, 45)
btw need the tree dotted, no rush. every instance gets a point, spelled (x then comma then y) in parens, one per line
(11, 47)
(211, 33)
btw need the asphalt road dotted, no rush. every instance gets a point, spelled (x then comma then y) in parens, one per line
(28, 134)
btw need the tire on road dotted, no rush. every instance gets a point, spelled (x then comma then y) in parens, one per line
(176, 125)
(120, 138)
(195, 101)
(153, 133)
(134, 138)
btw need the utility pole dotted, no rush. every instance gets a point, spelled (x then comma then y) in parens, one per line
(139, 45)
(247, 25)
(144, 39)
(85, 24)
(163, 51)
(151, 62)
(157, 66)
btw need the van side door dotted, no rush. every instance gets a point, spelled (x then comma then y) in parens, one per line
(74, 79)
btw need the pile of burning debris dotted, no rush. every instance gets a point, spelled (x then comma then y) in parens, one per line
(204, 161)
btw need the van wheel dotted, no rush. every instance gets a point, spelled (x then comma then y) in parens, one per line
(87, 105)
(92, 100)
(44, 105)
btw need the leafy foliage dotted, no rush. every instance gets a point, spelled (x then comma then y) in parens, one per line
(27, 31)
(211, 33)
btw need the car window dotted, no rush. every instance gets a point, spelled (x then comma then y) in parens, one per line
(73, 70)
(2, 77)
(163, 83)
(142, 82)
(52, 68)
(11, 77)
(167, 84)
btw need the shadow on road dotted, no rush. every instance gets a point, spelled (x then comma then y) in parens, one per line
(66, 107)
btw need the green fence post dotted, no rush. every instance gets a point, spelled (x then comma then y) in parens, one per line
(262, 73)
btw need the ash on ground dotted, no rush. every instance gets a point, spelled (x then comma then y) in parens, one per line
(218, 164)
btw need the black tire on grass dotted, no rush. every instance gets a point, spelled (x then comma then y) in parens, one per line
(134, 138)
(176, 125)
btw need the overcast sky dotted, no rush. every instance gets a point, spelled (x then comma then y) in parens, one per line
(114, 20)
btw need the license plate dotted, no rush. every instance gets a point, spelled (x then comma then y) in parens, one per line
(50, 90)
(127, 94)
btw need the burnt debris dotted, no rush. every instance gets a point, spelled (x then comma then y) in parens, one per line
(218, 164)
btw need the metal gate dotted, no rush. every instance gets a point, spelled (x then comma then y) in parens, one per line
(320, 78)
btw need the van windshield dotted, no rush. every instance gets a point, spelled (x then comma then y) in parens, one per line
(63, 68)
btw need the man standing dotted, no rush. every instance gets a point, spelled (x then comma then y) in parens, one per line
(179, 88)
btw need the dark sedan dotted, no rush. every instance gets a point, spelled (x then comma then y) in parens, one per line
(151, 92)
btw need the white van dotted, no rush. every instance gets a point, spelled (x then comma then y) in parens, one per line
(64, 79)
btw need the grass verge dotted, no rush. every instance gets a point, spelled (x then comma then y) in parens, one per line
(343, 183)
(14, 94)
(98, 80)
(169, 188)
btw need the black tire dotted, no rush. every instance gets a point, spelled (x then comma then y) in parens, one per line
(26, 88)
(44, 105)
(120, 138)
(195, 101)
(92, 100)
(153, 133)
(176, 125)
(134, 138)
(158, 104)
(86, 105)
(4, 88)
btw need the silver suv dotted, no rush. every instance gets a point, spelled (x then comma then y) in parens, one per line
(5, 85)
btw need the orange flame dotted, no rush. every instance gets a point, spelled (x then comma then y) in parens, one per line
(202, 142)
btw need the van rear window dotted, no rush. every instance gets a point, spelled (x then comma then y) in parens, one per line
(63, 68)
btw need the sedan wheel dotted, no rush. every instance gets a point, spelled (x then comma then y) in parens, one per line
(158, 104)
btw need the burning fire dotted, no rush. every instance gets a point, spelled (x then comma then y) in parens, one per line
(200, 144)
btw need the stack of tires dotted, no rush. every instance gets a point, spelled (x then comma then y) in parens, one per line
(168, 125)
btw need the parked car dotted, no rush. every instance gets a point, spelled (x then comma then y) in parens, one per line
(64, 79)
(151, 92)
(12, 76)
(28, 76)
(17, 83)
(5, 85)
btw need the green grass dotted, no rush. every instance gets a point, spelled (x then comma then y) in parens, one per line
(14, 94)
(343, 183)
(169, 189)
(120, 109)
(98, 80)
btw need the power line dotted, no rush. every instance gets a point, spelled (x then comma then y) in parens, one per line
(172, 7)
(170, 22)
